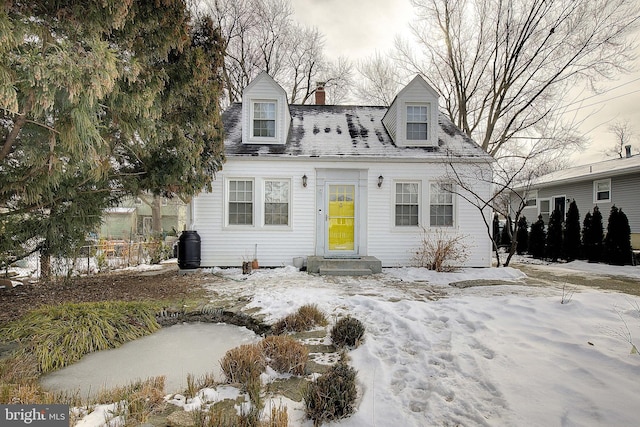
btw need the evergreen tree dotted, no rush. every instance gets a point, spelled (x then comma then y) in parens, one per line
(592, 236)
(553, 249)
(505, 236)
(617, 243)
(537, 238)
(522, 236)
(587, 223)
(571, 241)
(496, 229)
(81, 95)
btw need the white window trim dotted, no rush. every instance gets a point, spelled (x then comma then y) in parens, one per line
(409, 228)
(227, 200)
(595, 191)
(264, 139)
(454, 214)
(545, 199)
(531, 195)
(430, 125)
(263, 202)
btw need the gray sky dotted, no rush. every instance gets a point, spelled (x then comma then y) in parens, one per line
(357, 28)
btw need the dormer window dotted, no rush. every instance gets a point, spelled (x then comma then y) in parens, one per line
(264, 119)
(417, 122)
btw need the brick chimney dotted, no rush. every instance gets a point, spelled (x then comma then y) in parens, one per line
(320, 95)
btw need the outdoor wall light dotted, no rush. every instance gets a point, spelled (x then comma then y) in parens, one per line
(304, 180)
(380, 179)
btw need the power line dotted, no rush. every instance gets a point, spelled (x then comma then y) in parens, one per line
(600, 102)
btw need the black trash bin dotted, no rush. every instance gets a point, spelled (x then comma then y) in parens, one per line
(189, 249)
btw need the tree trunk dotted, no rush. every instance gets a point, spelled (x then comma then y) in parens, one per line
(156, 215)
(45, 265)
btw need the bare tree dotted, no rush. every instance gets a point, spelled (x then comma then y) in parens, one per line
(261, 35)
(502, 67)
(623, 132)
(380, 79)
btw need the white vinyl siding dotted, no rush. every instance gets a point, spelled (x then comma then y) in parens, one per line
(228, 246)
(407, 205)
(276, 202)
(441, 205)
(602, 191)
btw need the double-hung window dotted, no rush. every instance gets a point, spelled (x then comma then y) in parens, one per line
(276, 202)
(602, 191)
(407, 204)
(417, 122)
(264, 119)
(240, 202)
(531, 198)
(441, 205)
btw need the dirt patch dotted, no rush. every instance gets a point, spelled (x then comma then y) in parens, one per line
(549, 276)
(167, 284)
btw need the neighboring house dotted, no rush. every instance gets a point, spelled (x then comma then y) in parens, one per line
(611, 182)
(337, 181)
(132, 219)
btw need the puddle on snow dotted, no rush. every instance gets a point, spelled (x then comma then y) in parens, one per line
(189, 348)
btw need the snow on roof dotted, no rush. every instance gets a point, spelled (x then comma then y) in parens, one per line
(591, 171)
(346, 131)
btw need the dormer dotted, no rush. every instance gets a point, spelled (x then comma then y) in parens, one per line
(412, 117)
(265, 112)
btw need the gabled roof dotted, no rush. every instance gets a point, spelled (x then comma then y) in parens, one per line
(346, 131)
(593, 171)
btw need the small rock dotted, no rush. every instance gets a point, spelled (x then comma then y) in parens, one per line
(181, 418)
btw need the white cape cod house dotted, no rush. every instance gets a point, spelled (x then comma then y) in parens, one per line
(337, 181)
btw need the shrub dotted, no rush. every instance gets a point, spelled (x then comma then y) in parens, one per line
(332, 395)
(307, 316)
(347, 331)
(441, 251)
(243, 364)
(60, 335)
(284, 354)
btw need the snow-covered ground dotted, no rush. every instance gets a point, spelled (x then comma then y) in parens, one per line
(502, 353)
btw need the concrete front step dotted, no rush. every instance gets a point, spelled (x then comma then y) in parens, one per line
(344, 266)
(345, 271)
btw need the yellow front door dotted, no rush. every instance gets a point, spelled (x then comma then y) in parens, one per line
(341, 219)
